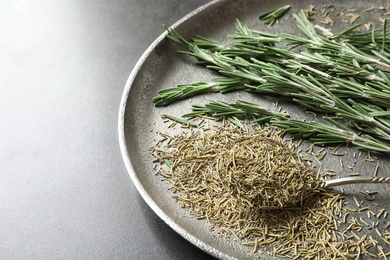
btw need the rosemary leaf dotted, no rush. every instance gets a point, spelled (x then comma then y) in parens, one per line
(272, 16)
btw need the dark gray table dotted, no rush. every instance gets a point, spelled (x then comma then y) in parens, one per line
(64, 190)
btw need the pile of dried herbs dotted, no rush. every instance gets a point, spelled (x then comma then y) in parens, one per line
(257, 167)
(230, 176)
(237, 179)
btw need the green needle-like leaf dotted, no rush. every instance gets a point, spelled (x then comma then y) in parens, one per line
(272, 16)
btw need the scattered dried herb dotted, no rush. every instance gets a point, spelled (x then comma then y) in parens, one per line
(237, 179)
(231, 177)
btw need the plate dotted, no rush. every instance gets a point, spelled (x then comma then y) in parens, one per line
(161, 67)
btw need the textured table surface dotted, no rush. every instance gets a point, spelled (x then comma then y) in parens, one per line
(64, 189)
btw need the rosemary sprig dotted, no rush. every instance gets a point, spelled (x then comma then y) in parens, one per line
(322, 44)
(218, 108)
(272, 16)
(317, 132)
(320, 133)
(180, 120)
(168, 96)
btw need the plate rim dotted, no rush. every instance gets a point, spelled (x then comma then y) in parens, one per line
(125, 153)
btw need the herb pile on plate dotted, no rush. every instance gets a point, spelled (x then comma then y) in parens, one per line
(243, 182)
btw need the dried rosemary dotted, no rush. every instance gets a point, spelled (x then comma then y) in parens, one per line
(257, 166)
(231, 177)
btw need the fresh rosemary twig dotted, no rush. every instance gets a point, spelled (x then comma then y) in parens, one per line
(318, 133)
(240, 107)
(180, 120)
(272, 16)
(168, 96)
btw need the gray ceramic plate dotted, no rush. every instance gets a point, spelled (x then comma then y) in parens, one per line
(162, 67)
